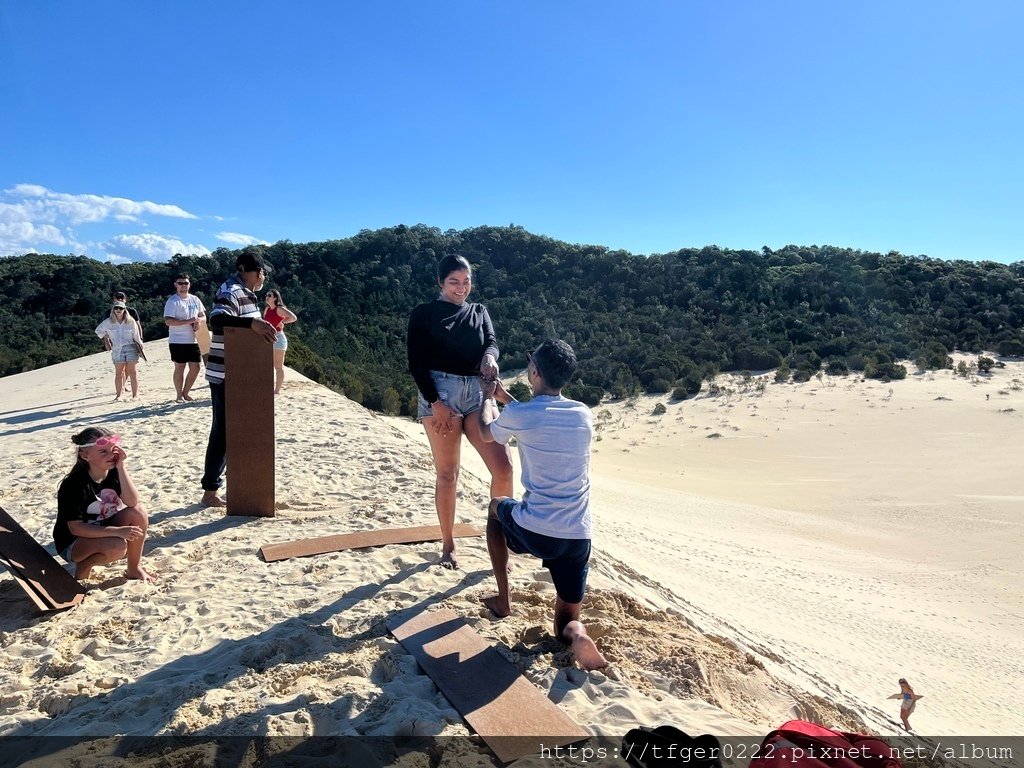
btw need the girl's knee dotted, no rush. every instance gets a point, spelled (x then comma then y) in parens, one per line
(135, 515)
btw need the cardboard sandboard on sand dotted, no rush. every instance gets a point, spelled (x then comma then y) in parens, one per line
(42, 578)
(511, 714)
(249, 402)
(319, 546)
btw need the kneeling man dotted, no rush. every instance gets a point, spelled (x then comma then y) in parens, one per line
(552, 521)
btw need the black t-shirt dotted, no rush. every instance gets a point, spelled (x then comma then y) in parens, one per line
(77, 491)
(448, 337)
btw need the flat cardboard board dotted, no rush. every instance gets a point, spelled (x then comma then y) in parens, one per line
(359, 539)
(509, 713)
(43, 579)
(249, 402)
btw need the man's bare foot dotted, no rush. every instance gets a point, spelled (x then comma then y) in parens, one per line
(586, 653)
(499, 607)
(141, 574)
(211, 499)
(449, 561)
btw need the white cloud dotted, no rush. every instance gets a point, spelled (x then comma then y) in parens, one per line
(148, 247)
(48, 205)
(234, 238)
(34, 218)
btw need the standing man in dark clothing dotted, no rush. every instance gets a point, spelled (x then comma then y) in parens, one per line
(235, 305)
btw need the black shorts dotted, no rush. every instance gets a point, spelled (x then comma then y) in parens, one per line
(568, 560)
(185, 353)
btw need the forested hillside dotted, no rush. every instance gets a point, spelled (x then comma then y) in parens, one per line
(638, 323)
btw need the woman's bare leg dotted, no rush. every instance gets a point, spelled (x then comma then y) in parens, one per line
(278, 370)
(445, 449)
(495, 455)
(118, 379)
(133, 377)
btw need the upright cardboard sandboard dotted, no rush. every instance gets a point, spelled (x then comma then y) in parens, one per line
(511, 714)
(42, 578)
(249, 400)
(359, 539)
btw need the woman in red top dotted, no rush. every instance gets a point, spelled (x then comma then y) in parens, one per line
(278, 315)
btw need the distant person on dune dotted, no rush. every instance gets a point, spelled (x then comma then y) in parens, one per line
(278, 315)
(552, 522)
(451, 346)
(908, 701)
(183, 312)
(122, 333)
(100, 518)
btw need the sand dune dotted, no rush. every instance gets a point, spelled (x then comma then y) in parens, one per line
(709, 584)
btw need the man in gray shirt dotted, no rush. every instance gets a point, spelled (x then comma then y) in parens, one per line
(552, 521)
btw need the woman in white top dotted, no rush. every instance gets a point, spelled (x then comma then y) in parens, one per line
(123, 334)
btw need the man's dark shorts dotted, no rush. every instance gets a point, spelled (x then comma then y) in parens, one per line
(568, 560)
(185, 353)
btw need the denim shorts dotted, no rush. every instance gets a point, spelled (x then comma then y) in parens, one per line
(460, 393)
(125, 354)
(568, 560)
(66, 554)
(281, 342)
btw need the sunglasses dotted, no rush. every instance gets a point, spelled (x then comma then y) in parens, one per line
(119, 309)
(103, 442)
(181, 282)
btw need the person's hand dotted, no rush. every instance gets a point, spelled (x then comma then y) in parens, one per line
(444, 418)
(119, 455)
(128, 532)
(500, 393)
(487, 386)
(488, 368)
(265, 329)
(195, 325)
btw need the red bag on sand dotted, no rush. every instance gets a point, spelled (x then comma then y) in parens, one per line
(806, 745)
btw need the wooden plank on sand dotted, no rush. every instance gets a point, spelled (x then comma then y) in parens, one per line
(510, 713)
(360, 539)
(47, 584)
(249, 420)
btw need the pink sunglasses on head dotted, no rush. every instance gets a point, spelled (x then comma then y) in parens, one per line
(102, 442)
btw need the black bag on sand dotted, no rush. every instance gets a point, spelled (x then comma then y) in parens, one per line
(666, 746)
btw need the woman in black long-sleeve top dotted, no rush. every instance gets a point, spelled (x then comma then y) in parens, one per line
(451, 346)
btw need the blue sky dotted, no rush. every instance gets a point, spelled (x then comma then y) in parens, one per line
(129, 130)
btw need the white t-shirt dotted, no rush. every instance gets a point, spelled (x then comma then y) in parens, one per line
(188, 308)
(553, 435)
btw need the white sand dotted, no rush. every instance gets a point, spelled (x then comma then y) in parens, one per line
(731, 585)
(846, 532)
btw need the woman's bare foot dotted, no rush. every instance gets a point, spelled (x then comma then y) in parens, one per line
(499, 607)
(586, 653)
(187, 397)
(449, 561)
(141, 574)
(211, 499)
